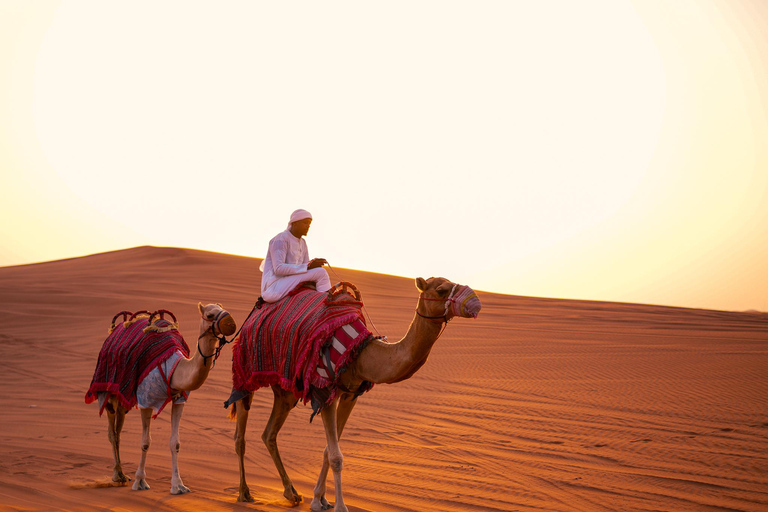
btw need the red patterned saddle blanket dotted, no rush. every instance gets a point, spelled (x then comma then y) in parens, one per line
(131, 351)
(302, 343)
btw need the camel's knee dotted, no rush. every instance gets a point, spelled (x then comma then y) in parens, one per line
(270, 440)
(240, 445)
(336, 461)
(175, 446)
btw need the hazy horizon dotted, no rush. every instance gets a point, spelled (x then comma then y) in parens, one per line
(337, 273)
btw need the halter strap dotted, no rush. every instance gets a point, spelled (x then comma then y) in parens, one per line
(444, 316)
(206, 358)
(222, 340)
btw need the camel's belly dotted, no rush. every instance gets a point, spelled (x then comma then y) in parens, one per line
(152, 392)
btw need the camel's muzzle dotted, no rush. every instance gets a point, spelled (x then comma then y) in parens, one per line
(464, 302)
(225, 324)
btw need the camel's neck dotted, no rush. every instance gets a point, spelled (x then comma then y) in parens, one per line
(191, 373)
(383, 362)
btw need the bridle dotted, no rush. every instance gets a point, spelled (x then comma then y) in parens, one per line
(444, 317)
(222, 340)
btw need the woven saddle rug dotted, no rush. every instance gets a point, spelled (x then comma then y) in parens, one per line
(283, 343)
(130, 352)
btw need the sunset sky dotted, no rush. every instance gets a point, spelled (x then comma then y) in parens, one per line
(609, 150)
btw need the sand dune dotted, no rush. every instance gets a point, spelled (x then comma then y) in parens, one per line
(538, 405)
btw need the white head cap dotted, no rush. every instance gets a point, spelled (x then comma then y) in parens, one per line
(299, 215)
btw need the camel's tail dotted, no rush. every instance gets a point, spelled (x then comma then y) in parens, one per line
(235, 397)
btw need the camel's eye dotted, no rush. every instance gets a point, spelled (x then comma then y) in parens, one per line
(210, 316)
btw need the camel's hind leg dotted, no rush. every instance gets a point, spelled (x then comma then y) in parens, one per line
(345, 405)
(141, 475)
(116, 417)
(284, 402)
(241, 411)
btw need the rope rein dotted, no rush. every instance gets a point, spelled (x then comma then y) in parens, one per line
(444, 317)
(378, 334)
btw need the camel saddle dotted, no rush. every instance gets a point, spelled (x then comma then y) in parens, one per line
(302, 343)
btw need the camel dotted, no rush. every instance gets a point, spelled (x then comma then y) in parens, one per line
(188, 374)
(378, 363)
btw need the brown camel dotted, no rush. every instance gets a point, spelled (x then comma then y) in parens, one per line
(187, 375)
(379, 362)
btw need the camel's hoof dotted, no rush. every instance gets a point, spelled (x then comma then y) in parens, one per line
(140, 485)
(320, 505)
(121, 478)
(245, 496)
(293, 496)
(181, 489)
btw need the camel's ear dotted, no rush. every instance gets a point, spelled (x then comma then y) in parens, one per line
(421, 284)
(200, 307)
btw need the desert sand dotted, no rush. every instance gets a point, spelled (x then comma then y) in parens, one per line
(537, 405)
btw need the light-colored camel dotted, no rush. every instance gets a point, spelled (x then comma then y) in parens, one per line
(379, 362)
(189, 375)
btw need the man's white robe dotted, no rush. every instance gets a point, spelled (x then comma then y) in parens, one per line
(286, 266)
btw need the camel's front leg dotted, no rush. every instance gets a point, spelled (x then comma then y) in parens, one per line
(241, 410)
(141, 475)
(116, 417)
(335, 459)
(346, 403)
(177, 486)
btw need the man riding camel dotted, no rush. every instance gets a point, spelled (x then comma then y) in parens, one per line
(287, 263)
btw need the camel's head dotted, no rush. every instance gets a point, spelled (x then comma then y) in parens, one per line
(440, 298)
(216, 318)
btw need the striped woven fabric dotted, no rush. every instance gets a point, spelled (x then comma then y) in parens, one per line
(338, 351)
(281, 342)
(128, 355)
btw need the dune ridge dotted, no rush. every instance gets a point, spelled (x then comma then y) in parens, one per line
(539, 404)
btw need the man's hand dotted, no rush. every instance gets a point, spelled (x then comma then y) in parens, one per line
(316, 262)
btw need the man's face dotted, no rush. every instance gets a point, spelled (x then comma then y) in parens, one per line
(300, 227)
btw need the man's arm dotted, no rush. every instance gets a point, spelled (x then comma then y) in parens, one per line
(278, 250)
(316, 262)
